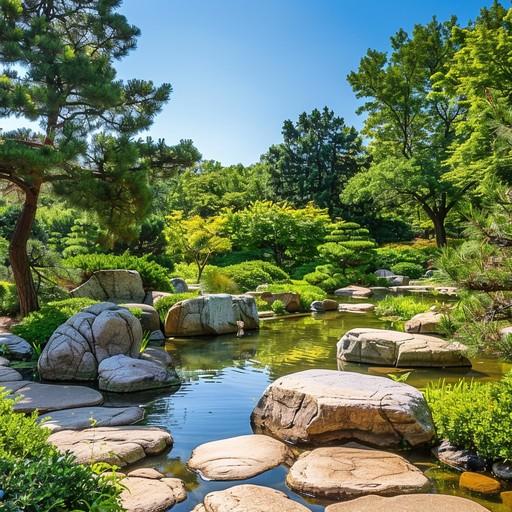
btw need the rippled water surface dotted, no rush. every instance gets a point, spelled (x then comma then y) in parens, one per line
(223, 378)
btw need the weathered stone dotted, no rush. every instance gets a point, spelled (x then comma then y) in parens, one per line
(398, 280)
(179, 285)
(384, 272)
(157, 337)
(408, 503)
(324, 305)
(425, 323)
(357, 307)
(123, 374)
(290, 300)
(353, 291)
(85, 417)
(153, 297)
(8, 374)
(115, 445)
(4, 361)
(17, 347)
(238, 458)
(77, 347)
(33, 396)
(150, 319)
(477, 482)
(393, 348)
(112, 286)
(249, 498)
(321, 406)
(502, 470)
(464, 460)
(344, 473)
(147, 490)
(211, 314)
(157, 355)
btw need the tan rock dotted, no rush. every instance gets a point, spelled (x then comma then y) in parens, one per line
(425, 323)
(357, 308)
(393, 348)
(290, 300)
(238, 458)
(320, 406)
(344, 473)
(408, 503)
(477, 482)
(353, 291)
(115, 445)
(249, 498)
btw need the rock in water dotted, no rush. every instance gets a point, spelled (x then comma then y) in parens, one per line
(393, 348)
(425, 323)
(476, 482)
(344, 473)
(211, 315)
(324, 305)
(353, 291)
(321, 406)
(76, 348)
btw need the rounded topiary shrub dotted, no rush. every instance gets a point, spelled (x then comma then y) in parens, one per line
(412, 270)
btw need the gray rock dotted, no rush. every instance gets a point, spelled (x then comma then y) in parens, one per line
(112, 286)
(149, 320)
(77, 347)
(123, 374)
(157, 337)
(323, 406)
(211, 315)
(157, 355)
(356, 307)
(17, 347)
(502, 470)
(85, 417)
(324, 305)
(383, 272)
(8, 374)
(425, 323)
(463, 460)
(398, 280)
(393, 348)
(179, 285)
(353, 291)
(4, 361)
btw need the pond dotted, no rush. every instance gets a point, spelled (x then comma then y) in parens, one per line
(223, 378)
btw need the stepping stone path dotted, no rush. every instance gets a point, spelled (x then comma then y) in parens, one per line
(85, 417)
(425, 323)
(50, 397)
(239, 458)
(147, 490)
(353, 291)
(321, 406)
(393, 348)
(344, 473)
(17, 347)
(249, 498)
(9, 374)
(477, 482)
(356, 308)
(408, 503)
(115, 445)
(124, 374)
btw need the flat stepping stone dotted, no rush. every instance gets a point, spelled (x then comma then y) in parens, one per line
(85, 417)
(356, 308)
(353, 291)
(408, 503)
(17, 347)
(8, 374)
(34, 396)
(321, 406)
(249, 498)
(400, 349)
(238, 458)
(344, 473)
(477, 482)
(147, 490)
(115, 445)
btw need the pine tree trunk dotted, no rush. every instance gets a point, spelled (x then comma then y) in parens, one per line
(18, 253)
(440, 230)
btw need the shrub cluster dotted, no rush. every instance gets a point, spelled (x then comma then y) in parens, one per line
(250, 274)
(165, 303)
(391, 255)
(401, 307)
(8, 298)
(405, 268)
(307, 292)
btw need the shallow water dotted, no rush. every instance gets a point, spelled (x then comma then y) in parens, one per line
(223, 378)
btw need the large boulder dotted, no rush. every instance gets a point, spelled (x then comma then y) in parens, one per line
(322, 406)
(78, 346)
(393, 348)
(425, 323)
(344, 473)
(179, 285)
(319, 306)
(112, 286)
(149, 318)
(17, 348)
(291, 300)
(357, 292)
(211, 315)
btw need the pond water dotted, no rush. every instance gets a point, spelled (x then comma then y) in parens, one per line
(223, 378)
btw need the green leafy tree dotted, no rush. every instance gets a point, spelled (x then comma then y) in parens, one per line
(318, 155)
(411, 124)
(57, 69)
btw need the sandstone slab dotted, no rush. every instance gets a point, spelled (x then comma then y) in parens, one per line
(353, 291)
(115, 445)
(357, 308)
(393, 348)
(425, 323)
(17, 347)
(345, 473)
(321, 406)
(238, 458)
(477, 482)
(408, 503)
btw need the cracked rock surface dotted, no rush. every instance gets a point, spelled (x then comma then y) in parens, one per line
(115, 445)
(344, 473)
(238, 458)
(249, 498)
(393, 348)
(321, 406)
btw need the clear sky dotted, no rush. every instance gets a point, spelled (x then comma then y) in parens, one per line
(239, 68)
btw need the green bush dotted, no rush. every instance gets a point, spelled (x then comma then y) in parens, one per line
(401, 307)
(165, 303)
(474, 416)
(405, 268)
(390, 255)
(35, 477)
(278, 307)
(214, 280)
(154, 276)
(308, 293)
(188, 271)
(8, 298)
(250, 274)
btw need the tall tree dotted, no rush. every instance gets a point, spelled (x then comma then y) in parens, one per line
(318, 155)
(411, 125)
(57, 69)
